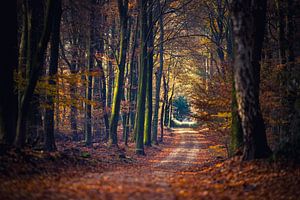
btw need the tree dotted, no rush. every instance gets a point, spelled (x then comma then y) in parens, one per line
(33, 68)
(248, 25)
(8, 64)
(236, 137)
(289, 145)
(91, 64)
(53, 67)
(150, 44)
(119, 81)
(158, 76)
(142, 84)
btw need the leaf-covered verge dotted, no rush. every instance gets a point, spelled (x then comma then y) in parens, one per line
(102, 172)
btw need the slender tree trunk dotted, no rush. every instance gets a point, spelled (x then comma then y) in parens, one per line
(118, 91)
(249, 24)
(91, 63)
(148, 114)
(134, 89)
(103, 99)
(102, 80)
(49, 116)
(166, 93)
(140, 111)
(171, 106)
(163, 108)
(110, 72)
(158, 80)
(161, 139)
(130, 92)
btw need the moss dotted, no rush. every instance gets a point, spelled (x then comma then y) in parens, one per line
(236, 139)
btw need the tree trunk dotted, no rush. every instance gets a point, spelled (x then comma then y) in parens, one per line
(281, 9)
(49, 116)
(163, 108)
(248, 25)
(8, 99)
(89, 90)
(35, 68)
(119, 82)
(170, 108)
(140, 111)
(236, 137)
(130, 91)
(158, 79)
(150, 43)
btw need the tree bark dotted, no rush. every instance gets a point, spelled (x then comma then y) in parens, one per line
(236, 137)
(89, 90)
(248, 25)
(8, 63)
(119, 82)
(149, 109)
(140, 111)
(35, 68)
(158, 79)
(53, 67)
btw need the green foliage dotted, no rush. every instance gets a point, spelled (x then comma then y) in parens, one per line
(85, 155)
(181, 108)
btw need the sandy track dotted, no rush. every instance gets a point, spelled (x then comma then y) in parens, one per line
(140, 181)
(151, 182)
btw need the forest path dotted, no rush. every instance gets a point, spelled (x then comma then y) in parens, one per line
(148, 177)
(149, 181)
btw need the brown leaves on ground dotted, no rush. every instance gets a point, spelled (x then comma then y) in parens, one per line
(168, 171)
(233, 179)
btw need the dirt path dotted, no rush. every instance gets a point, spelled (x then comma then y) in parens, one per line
(145, 182)
(185, 153)
(150, 178)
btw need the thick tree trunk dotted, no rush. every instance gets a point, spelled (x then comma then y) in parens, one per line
(35, 68)
(53, 67)
(8, 63)
(281, 9)
(248, 25)
(290, 141)
(236, 137)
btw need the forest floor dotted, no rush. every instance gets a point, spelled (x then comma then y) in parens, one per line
(189, 164)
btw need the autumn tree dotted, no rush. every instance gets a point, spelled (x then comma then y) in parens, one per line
(119, 81)
(248, 28)
(53, 67)
(140, 110)
(158, 75)
(34, 62)
(150, 45)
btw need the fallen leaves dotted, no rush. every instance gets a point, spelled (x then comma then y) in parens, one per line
(77, 172)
